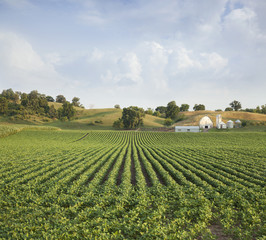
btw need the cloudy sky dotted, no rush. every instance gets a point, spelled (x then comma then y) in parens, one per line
(135, 52)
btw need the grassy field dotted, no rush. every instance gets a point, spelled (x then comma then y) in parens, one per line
(76, 184)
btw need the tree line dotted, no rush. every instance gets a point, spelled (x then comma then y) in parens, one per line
(132, 117)
(20, 105)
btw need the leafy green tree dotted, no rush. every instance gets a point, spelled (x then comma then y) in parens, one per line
(172, 110)
(184, 107)
(161, 109)
(236, 105)
(118, 124)
(3, 105)
(75, 101)
(117, 106)
(168, 122)
(149, 111)
(49, 99)
(132, 117)
(228, 109)
(198, 107)
(24, 99)
(60, 99)
(52, 112)
(67, 111)
(156, 114)
(263, 109)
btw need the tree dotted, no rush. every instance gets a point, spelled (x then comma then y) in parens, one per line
(49, 99)
(60, 99)
(132, 117)
(118, 124)
(263, 109)
(3, 105)
(228, 109)
(52, 112)
(149, 111)
(198, 107)
(168, 122)
(184, 107)
(236, 105)
(117, 106)
(161, 109)
(66, 111)
(75, 101)
(171, 110)
(156, 114)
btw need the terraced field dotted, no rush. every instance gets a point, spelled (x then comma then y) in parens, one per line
(132, 185)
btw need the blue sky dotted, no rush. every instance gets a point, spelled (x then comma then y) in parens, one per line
(143, 53)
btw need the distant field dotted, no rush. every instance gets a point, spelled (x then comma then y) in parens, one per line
(76, 184)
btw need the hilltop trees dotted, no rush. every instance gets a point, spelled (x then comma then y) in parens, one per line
(198, 107)
(3, 105)
(75, 101)
(184, 107)
(22, 105)
(236, 105)
(60, 99)
(172, 110)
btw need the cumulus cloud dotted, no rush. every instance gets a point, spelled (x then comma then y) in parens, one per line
(21, 66)
(140, 51)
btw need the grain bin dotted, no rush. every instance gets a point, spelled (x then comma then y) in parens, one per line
(237, 123)
(230, 124)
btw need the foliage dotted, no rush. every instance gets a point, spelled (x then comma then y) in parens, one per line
(236, 105)
(172, 110)
(49, 99)
(156, 114)
(184, 107)
(149, 111)
(60, 99)
(198, 107)
(117, 106)
(75, 101)
(66, 112)
(132, 117)
(161, 109)
(118, 124)
(228, 109)
(3, 105)
(168, 122)
(21, 106)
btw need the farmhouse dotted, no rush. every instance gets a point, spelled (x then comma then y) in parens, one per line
(205, 122)
(187, 129)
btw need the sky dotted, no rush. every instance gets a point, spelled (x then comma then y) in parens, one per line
(135, 52)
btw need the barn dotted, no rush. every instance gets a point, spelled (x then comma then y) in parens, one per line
(205, 123)
(187, 129)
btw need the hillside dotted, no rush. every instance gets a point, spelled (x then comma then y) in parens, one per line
(95, 119)
(193, 118)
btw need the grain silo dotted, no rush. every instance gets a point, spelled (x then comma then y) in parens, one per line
(237, 123)
(230, 124)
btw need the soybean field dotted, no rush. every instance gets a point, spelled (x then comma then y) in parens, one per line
(132, 185)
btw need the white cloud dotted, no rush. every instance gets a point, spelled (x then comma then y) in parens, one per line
(21, 66)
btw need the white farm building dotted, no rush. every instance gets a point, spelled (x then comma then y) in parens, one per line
(205, 123)
(187, 129)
